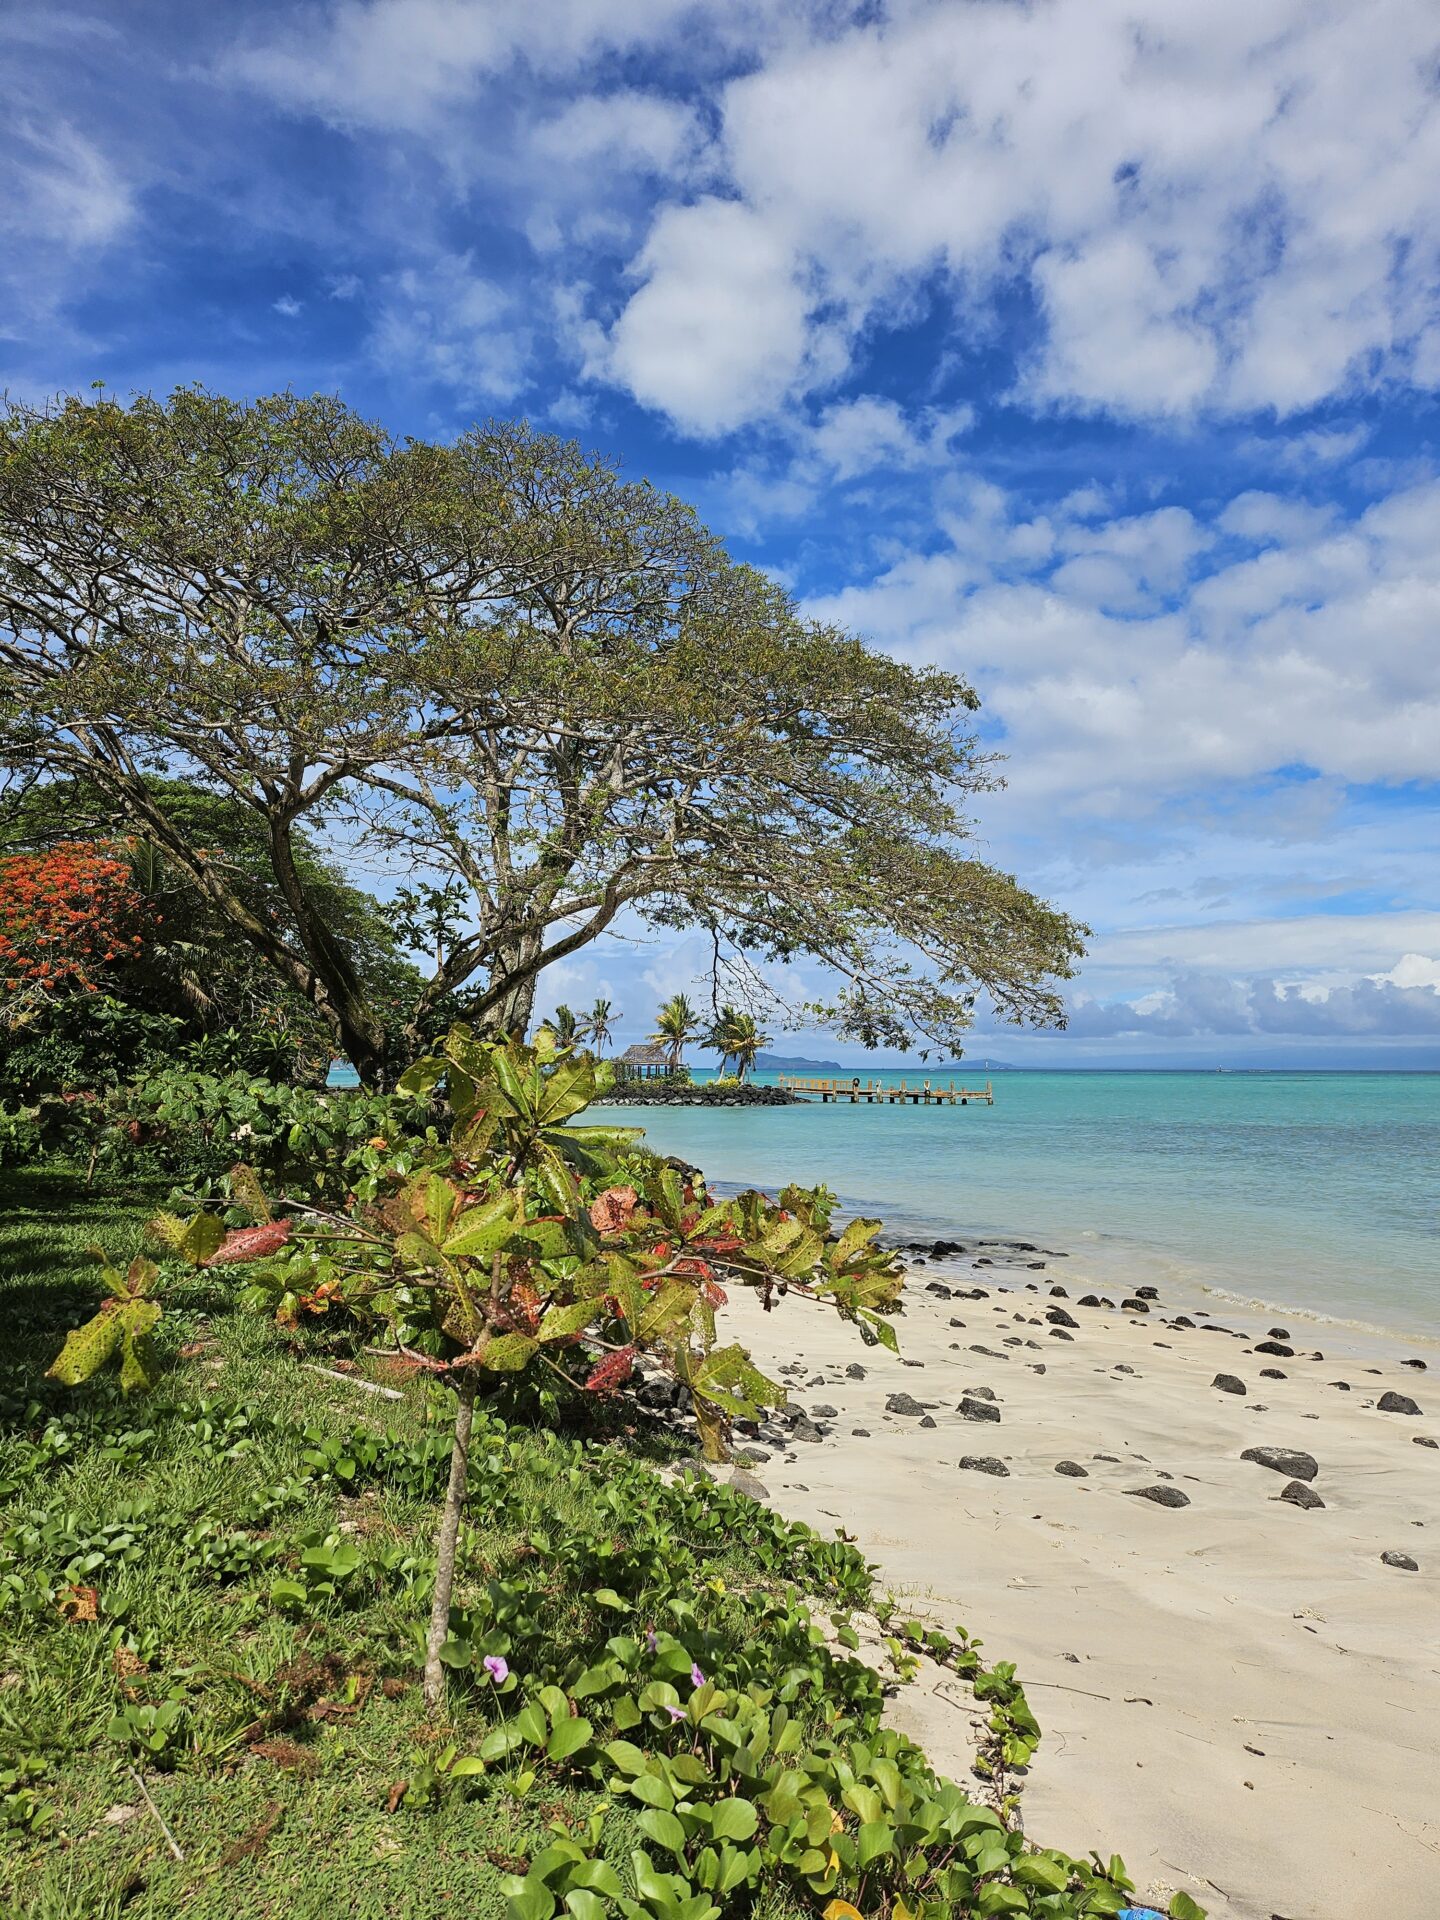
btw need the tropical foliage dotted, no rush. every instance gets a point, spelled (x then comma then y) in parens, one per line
(676, 1025)
(496, 659)
(646, 1720)
(736, 1036)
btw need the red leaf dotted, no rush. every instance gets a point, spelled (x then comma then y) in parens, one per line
(612, 1371)
(250, 1243)
(611, 1210)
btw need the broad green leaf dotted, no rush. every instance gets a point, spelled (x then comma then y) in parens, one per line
(585, 1905)
(569, 1737)
(1035, 1870)
(663, 1828)
(874, 1839)
(508, 1352)
(482, 1230)
(734, 1820)
(560, 1322)
(87, 1348)
(535, 1901)
(531, 1724)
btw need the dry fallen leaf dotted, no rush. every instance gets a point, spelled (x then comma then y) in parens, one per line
(79, 1603)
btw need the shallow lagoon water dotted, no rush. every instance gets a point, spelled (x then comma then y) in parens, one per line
(1314, 1192)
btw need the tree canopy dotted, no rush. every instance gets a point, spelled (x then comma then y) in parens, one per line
(544, 690)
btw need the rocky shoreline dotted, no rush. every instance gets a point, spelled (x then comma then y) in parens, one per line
(1201, 1536)
(642, 1093)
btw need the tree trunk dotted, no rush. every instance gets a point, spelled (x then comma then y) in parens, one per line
(449, 1538)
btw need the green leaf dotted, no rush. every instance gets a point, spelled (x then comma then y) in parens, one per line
(531, 1725)
(734, 1820)
(87, 1348)
(599, 1876)
(1182, 1907)
(651, 1792)
(508, 1352)
(625, 1757)
(996, 1897)
(500, 1742)
(585, 1905)
(560, 1322)
(568, 1737)
(1037, 1870)
(663, 1828)
(875, 1838)
(534, 1901)
(483, 1229)
(201, 1237)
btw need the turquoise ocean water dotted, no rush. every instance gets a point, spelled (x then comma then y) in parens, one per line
(1312, 1192)
(1316, 1192)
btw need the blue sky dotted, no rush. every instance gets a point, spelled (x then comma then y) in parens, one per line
(1092, 348)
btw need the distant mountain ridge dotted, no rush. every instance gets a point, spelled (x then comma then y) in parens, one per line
(793, 1063)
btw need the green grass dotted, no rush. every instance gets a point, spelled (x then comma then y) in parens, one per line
(254, 1545)
(226, 1423)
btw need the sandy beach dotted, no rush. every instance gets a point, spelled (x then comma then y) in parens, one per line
(1238, 1694)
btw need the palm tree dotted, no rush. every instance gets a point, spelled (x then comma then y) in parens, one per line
(737, 1036)
(597, 1024)
(564, 1023)
(675, 1028)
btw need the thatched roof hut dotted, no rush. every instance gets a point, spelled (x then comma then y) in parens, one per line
(642, 1061)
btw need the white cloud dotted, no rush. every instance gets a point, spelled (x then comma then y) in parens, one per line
(1230, 206)
(288, 307)
(1125, 662)
(452, 325)
(64, 203)
(397, 64)
(719, 332)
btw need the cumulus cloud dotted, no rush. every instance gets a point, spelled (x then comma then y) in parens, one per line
(1230, 206)
(1144, 655)
(1195, 1004)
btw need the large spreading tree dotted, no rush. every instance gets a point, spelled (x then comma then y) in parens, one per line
(544, 691)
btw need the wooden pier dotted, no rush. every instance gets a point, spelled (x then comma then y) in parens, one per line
(876, 1093)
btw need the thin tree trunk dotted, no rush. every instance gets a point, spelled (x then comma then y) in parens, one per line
(449, 1537)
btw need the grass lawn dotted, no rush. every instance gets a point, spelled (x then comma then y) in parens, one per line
(222, 1587)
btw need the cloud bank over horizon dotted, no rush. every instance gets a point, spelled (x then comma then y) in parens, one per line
(1090, 348)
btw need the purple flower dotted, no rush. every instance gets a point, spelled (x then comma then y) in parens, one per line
(497, 1669)
(697, 1678)
(675, 1713)
(650, 1641)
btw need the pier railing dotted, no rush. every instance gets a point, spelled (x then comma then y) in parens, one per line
(876, 1093)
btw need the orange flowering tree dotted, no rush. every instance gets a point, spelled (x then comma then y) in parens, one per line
(66, 914)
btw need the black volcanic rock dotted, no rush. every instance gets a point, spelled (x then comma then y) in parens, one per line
(1162, 1496)
(1397, 1403)
(1227, 1383)
(1299, 1495)
(1299, 1466)
(971, 1409)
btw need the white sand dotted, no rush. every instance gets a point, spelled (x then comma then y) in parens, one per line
(1252, 1713)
